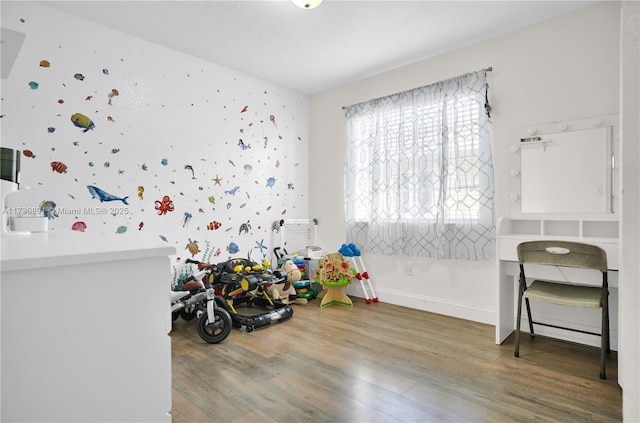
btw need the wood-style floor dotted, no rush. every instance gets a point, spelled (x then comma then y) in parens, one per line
(384, 363)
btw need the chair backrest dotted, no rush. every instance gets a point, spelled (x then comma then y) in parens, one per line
(563, 253)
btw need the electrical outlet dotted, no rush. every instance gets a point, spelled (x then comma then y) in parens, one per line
(410, 270)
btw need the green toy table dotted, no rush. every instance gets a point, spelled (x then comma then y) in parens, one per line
(332, 293)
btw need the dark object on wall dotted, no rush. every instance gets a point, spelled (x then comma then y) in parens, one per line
(10, 165)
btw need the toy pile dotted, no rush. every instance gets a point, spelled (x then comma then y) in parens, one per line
(242, 282)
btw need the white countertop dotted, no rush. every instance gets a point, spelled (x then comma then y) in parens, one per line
(63, 248)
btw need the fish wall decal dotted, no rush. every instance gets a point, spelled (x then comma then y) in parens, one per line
(82, 121)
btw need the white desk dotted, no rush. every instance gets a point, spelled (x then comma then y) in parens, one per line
(511, 232)
(84, 329)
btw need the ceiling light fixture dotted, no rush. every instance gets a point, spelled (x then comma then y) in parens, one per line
(307, 4)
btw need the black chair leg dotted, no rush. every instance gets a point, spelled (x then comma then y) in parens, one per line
(605, 346)
(607, 328)
(526, 301)
(516, 352)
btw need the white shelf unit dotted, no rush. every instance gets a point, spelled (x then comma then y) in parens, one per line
(603, 233)
(511, 232)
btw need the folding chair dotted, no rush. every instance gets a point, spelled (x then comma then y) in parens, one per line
(564, 254)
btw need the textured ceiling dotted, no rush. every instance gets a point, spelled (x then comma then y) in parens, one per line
(314, 50)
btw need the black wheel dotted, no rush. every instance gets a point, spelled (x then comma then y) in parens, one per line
(215, 332)
(188, 314)
(175, 315)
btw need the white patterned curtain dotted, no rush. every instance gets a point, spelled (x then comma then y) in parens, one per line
(419, 174)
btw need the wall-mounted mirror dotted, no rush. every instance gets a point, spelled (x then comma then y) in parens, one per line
(565, 169)
(567, 172)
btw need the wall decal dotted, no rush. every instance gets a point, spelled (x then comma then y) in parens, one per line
(113, 93)
(232, 191)
(189, 167)
(79, 226)
(245, 227)
(59, 167)
(233, 248)
(48, 208)
(260, 245)
(212, 226)
(271, 182)
(82, 121)
(104, 196)
(164, 206)
(185, 220)
(242, 145)
(193, 247)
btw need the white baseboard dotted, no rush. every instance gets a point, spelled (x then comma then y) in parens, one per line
(468, 312)
(432, 305)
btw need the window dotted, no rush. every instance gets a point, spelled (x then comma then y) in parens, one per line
(419, 175)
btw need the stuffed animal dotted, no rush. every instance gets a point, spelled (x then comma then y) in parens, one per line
(293, 272)
(286, 291)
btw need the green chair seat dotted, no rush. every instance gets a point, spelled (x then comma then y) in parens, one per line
(565, 294)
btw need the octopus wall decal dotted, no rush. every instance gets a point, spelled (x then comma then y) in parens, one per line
(164, 206)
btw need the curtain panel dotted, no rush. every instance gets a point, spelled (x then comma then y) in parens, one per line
(419, 177)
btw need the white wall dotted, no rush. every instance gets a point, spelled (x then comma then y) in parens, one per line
(630, 235)
(171, 107)
(560, 70)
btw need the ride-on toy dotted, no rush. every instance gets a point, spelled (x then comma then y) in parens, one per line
(197, 299)
(303, 287)
(241, 283)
